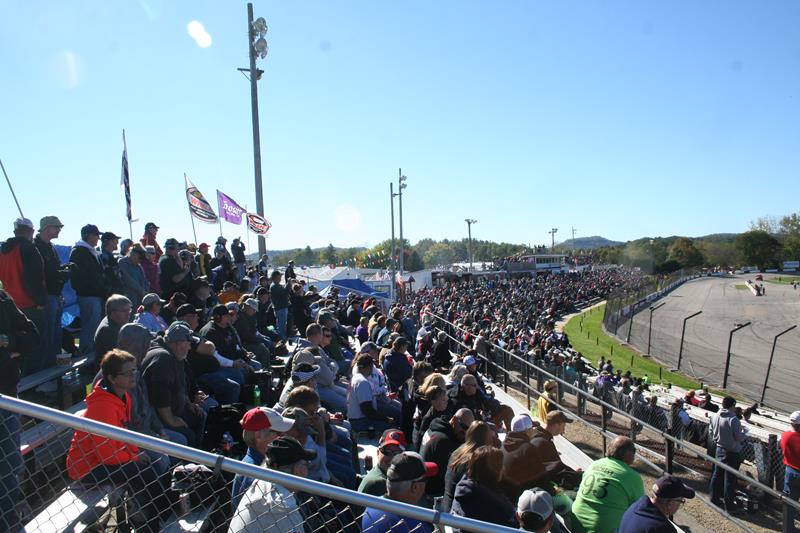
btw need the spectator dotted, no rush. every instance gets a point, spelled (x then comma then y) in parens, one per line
(150, 317)
(441, 358)
(290, 271)
(150, 267)
(89, 284)
(478, 494)
(391, 444)
(22, 275)
(362, 400)
(303, 374)
(169, 309)
(166, 377)
(790, 446)
(554, 476)
(479, 434)
(199, 297)
(18, 338)
(439, 443)
(333, 396)
(219, 331)
(726, 431)
(134, 281)
(268, 506)
(652, 514)
(149, 239)
(300, 314)
(396, 366)
(55, 276)
(118, 313)
(362, 333)
(260, 427)
(543, 405)
(521, 462)
(279, 296)
(173, 275)
(108, 258)
(468, 395)
(94, 459)
(203, 261)
(437, 397)
(247, 327)
(535, 511)
(607, 489)
(239, 261)
(405, 482)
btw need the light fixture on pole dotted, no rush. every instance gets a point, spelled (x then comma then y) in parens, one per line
(470, 222)
(552, 233)
(401, 184)
(392, 194)
(257, 47)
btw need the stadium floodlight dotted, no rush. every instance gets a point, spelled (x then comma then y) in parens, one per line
(260, 26)
(261, 47)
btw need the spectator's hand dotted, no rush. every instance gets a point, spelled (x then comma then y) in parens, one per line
(180, 422)
(200, 397)
(324, 414)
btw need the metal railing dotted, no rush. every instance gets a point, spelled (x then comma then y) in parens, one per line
(670, 443)
(321, 507)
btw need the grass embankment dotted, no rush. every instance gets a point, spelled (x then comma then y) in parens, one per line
(783, 280)
(586, 335)
(741, 287)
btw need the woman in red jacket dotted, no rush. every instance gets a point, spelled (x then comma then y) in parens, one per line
(95, 459)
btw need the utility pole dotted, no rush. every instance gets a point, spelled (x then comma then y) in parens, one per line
(394, 251)
(256, 45)
(552, 233)
(470, 222)
(401, 185)
(573, 241)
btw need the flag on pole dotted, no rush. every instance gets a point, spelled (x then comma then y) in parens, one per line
(258, 224)
(229, 210)
(198, 205)
(125, 179)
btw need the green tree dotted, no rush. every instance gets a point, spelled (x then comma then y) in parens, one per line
(719, 254)
(328, 255)
(440, 254)
(683, 251)
(413, 262)
(758, 248)
(306, 256)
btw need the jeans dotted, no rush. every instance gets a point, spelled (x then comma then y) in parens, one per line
(791, 487)
(10, 469)
(33, 360)
(91, 310)
(51, 331)
(341, 467)
(333, 398)
(720, 477)
(391, 408)
(281, 315)
(144, 485)
(224, 384)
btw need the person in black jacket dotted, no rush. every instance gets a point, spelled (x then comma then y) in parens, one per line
(55, 276)
(108, 247)
(89, 284)
(441, 440)
(173, 274)
(247, 327)
(237, 250)
(477, 495)
(18, 339)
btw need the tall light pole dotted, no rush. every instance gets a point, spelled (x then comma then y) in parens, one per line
(470, 222)
(552, 233)
(401, 184)
(573, 240)
(256, 46)
(394, 250)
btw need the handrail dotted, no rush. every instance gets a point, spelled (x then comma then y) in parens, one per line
(237, 467)
(784, 499)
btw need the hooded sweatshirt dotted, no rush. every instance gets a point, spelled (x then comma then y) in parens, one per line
(87, 277)
(473, 500)
(522, 464)
(437, 448)
(22, 272)
(86, 451)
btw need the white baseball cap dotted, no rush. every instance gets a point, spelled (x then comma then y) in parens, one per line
(536, 501)
(23, 222)
(521, 423)
(794, 418)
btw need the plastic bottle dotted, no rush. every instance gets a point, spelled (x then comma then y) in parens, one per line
(256, 396)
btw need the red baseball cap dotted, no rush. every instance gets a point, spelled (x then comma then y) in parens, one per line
(260, 418)
(393, 436)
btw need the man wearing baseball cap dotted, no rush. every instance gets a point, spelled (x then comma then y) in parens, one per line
(149, 239)
(535, 511)
(267, 506)
(89, 284)
(54, 279)
(22, 275)
(173, 274)
(790, 446)
(391, 443)
(652, 513)
(260, 427)
(405, 482)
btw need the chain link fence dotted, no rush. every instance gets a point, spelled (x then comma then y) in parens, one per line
(669, 438)
(146, 484)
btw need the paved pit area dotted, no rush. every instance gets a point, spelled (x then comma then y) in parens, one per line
(704, 352)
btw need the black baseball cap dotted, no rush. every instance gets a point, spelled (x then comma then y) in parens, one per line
(187, 309)
(219, 310)
(150, 225)
(171, 243)
(670, 487)
(90, 229)
(109, 236)
(285, 451)
(409, 466)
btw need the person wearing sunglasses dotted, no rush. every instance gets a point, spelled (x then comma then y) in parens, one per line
(391, 443)
(652, 513)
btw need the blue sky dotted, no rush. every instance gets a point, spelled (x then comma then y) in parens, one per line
(623, 119)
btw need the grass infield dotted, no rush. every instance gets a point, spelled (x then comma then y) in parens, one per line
(586, 335)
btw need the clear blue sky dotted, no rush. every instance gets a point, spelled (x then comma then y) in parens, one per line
(623, 119)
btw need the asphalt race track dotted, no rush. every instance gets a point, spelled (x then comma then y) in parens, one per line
(705, 345)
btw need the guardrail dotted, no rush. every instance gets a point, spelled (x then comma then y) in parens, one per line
(673, 445)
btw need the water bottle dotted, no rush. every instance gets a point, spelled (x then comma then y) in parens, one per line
(256, 396)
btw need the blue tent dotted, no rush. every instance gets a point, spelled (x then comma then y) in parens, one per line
(346, 286)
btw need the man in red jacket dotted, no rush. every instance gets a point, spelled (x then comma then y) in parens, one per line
(22, 274)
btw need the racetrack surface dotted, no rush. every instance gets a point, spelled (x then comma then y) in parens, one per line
(705, 346)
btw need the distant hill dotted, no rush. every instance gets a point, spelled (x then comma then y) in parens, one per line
(589, 243)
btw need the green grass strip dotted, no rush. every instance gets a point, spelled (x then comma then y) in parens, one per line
(586, 335)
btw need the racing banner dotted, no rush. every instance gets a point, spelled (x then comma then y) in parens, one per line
(198, 205)
(258, 224)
